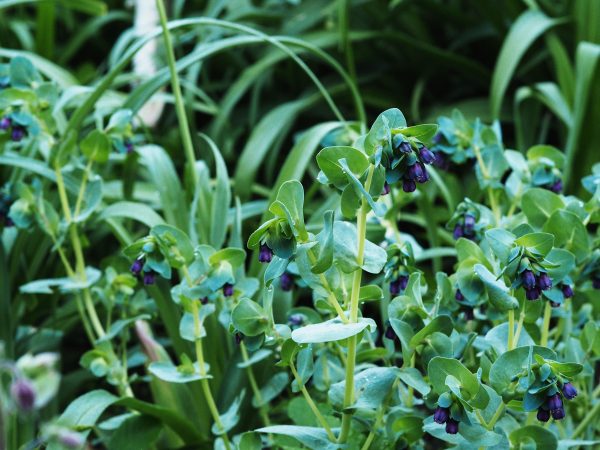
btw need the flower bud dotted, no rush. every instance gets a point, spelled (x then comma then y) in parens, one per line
(18, 133)
(137, 266)
(459, 296)
(426, 155)
(441, 415)
(544, 282)
(410, 186)
(558, 414)
(532, 294)
(149, 278)
(228, 290)
(405, 147)
(554, 402)
(567, 291)
(543, 415)
(451, 426)
(569, 391)
(5, 123)
(265, 254)
(390, 333)
(23, 394)
(286, 281)
(458, 232)
(528, 279)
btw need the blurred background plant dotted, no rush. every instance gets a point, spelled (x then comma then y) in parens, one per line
(268, 104)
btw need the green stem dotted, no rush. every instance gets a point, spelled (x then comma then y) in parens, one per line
(495, 417)
(361, 232)
(376, 427)
(81, 193)
(184, 128)
(311, 403)
(511, 329)
(591, 415)
(210, 401)
(254, 386)
(519, 325)
(546, 324)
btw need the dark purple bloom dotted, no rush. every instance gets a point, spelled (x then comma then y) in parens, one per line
(451, 426)
(558, 413)
(596, 282)
(390, 333)
(424, 177)
(458, 231)
(228, 290)
(469, 222)
(441, 161)
(459, 296)
(239, 337)
(23, 394)
(128, 145)
(543, 415)
(554, 402)
(405, 147)
(414, 172)
(204, 300)
(554, 304)
(265, 255)
(557, 186)
(437, 138)
(441, 415)
(296, 320)
(386, 189)
(469, 313)
(286, 281)
(395, 287)
(17, 133)
(569, 391)
(403, 280)
(408, 186)
(5, 123)
(567, 291)
(544, 282)
(70, 439)
(528, 279)
(137, 266)
(532, 294)
(427, 155)
(149, 278)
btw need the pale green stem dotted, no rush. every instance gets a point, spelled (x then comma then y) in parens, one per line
(361, 230)
(546, 324)
(254, 385)
(311, 403)
(184, 129)
(511, 329)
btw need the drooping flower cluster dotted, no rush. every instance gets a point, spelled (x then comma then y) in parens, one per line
(553, 406)
(16, 130)
(442, 416)
(535, 284)
(417, 156)
(398, 268)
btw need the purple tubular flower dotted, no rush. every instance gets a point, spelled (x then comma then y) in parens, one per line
(403, 280)
(459, 296)
(405, 147)
(558, 413)
(386, 189)
(228, 290)
(128, 145)
(408, 186)
(204, 300)
(23, 394)
(569, 391)
(286, 281)
(532, 294)
(239, 337)
(554, 402)
(458, 232)
(296, 320)
(544, 282)
(265, 254)
(596, 282)
(557, 186)
(528, 279)
(149, 278)
(424, 178)
(17, 133)
(5, 123)
(543, 415)
(427, 155)
(390, 333)
(469, 222)
(414, 172)
(137, 266)
(567, 291)
(451, 426)
(395, 287)
(441, 415)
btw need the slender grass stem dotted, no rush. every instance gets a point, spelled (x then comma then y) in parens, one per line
(361, 232)
(311, 403)
(81, 193)
(254, 385)
(184, 128)
(210, 401)
(591, 415)
(511, 329)
(546, 324)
